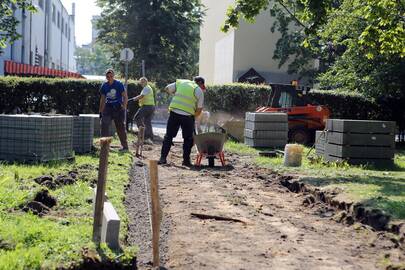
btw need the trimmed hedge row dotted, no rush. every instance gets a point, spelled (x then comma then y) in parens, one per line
(82, 96)
(236, 99)
(67, 96)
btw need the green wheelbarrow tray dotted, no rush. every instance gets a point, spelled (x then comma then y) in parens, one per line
(210, 145)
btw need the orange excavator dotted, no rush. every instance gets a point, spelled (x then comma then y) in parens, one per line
(303, 118)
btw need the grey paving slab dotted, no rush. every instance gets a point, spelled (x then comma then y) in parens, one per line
(266, 134)
(266, 117)
(269, 126)
(361, 126)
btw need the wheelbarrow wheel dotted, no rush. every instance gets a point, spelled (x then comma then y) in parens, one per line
(211, 162)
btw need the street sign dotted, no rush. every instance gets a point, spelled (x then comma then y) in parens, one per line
(126, 55)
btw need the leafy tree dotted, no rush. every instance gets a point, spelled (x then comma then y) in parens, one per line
(164, 33)
(8, 23)
(94, 61)
(361, 44)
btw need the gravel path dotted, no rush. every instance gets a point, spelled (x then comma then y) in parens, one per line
(278, 232)
(139, 228)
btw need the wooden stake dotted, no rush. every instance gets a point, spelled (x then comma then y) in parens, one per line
(154, 192)
(139, 143)
(102, 178)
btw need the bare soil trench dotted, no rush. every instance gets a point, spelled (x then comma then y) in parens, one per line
(277, 231)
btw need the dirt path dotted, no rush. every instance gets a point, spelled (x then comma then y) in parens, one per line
(280, 233)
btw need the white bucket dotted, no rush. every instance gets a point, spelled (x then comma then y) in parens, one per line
(293, 155)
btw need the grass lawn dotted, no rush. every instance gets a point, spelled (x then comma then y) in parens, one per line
(382, 187)
(57, 239)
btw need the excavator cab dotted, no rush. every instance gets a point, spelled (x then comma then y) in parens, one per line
(303, 118)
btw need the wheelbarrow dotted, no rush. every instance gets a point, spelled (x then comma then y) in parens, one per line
(210, 145)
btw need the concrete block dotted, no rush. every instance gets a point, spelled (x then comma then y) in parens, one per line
(266, 134)
(272, 126)
(387, 140)
(266, 117)
(110, 229)
(360, 161)
(361, 126)
(265, 143)
(362, 152)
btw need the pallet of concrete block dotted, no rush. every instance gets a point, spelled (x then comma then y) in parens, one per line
(83, 132)
(266, 129)
(360, 141)
(97, 125)
(320, 140)
(36, 138)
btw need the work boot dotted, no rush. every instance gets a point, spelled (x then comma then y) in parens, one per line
(187, 163)
(123, 150)
(162, 161)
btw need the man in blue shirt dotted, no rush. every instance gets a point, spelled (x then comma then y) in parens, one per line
(113, 106)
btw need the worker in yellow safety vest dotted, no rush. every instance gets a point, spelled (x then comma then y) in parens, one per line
(143, 116)
(187, 103)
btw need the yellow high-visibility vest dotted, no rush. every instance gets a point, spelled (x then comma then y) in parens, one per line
(184, 99)
(148, 99)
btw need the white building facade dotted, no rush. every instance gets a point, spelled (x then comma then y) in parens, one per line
(225, 57)
(48, 37)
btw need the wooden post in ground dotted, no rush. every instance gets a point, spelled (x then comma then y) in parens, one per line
(102, 178)
(154, 192)
(139, 143)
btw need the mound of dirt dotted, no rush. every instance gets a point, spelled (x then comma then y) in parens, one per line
(60, 180)
(42, 203)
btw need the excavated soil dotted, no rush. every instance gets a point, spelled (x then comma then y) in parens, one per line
(242, 217)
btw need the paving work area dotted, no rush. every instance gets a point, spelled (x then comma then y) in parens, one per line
(266, 226)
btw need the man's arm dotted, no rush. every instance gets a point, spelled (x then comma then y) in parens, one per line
(200, 102)
(102, 103)
(125, 100)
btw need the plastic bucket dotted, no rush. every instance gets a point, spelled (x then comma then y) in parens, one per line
(293, 155)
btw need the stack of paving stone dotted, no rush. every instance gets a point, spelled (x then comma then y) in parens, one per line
(83, 132)
(35, 138)
(266, 129)
(97, 126)
(357, 141)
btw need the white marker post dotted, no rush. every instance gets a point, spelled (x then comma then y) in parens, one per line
(126, 55)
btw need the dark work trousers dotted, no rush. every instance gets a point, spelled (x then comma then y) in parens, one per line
(116, 113)
(143, 118)
(173, 124)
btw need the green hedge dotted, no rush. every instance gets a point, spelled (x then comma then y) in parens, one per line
(236, 98)
(65, 96)
(82, 96)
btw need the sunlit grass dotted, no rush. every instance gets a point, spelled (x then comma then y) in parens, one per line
(382, 187)
(57, 239)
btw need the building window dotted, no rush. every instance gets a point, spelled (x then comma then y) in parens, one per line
(63, 23)
(66, 30)
(58, 19)
(41, 4)
(69, 34)
(53, 65)
(53, 13)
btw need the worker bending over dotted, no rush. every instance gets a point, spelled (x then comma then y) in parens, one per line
(143, 116)
(186, 104)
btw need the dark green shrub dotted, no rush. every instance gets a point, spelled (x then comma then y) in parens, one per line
(236, 98)
(66, 96)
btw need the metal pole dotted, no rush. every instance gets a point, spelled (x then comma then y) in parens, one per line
(126, 70)
(143, 68)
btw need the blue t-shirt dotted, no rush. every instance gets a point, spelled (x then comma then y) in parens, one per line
(113, 92)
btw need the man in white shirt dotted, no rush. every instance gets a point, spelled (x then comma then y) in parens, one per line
(143, 116)
(187, 103)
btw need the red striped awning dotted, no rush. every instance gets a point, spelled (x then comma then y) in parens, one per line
(18, 69)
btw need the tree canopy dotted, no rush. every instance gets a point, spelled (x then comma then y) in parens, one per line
(92, 61)
(164, 33)
(360, 43)
(8, 23)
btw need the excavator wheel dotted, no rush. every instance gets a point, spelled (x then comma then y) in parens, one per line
(299, 135)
